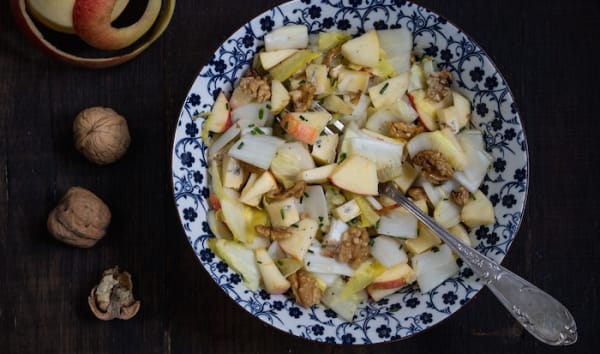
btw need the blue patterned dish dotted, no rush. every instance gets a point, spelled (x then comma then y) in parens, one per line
(408, 312)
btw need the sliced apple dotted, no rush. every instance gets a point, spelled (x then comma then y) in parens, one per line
(274, 281)
(427, 108)
(317, 175)
(252, 193)
(356, 174)
(407, 177)
(352, 81)
(389, 91)
(478, 211)
(378, 294)
(272, 58)
(298, 243)
(280, 97)
(92, 23)
(29, 28)
(219, 118)
(305, 126)
(424, 241)
(395, 277)
(363, 50)
(58, 14)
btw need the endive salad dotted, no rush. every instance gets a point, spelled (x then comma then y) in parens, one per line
(294, 201)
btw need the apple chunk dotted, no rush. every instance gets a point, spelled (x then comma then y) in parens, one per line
(92, 22)
(356, 174)
(298, 243)
(363, 50)
(305, 126)
(275, 282)
(280, 97)
(397, 276)
(219, 118)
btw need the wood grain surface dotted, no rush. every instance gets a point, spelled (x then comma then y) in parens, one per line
(545, 50)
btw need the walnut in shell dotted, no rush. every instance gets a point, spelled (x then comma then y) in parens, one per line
(113, 296)
(101, 135)
(80, 219)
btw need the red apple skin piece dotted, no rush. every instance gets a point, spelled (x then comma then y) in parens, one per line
(220, 119)
(298, 129)
(391, 284)
(92, 23)
(214, 202)
(29, 29)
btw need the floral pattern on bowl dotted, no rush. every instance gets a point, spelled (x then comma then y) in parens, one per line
(407, 312)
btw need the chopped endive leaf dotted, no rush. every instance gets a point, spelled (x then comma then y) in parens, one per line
(362, 277)
(288, 266)
(368, 216)
(257, 150)
(345, 307)
(328, 40)
(293, 64)
(238, 257)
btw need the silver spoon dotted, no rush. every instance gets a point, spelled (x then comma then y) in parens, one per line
(539, 313)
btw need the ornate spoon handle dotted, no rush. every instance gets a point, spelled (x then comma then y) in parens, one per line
(539, 313)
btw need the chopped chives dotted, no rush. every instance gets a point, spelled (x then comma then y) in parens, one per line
(384, 88)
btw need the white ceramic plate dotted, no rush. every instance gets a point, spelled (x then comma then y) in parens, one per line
(408, 312)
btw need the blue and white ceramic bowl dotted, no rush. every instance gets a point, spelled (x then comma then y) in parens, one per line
(408, 312)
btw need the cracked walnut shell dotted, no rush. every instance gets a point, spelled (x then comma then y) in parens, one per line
(80, 219)
(113, 296)
(101, 135)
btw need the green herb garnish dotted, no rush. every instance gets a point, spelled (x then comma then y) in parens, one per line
(384, 88)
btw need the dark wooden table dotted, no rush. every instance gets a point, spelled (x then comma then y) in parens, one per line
(546, 51)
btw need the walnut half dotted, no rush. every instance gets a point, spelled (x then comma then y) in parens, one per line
(113, 296)
(434, 165)
(305, 288)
